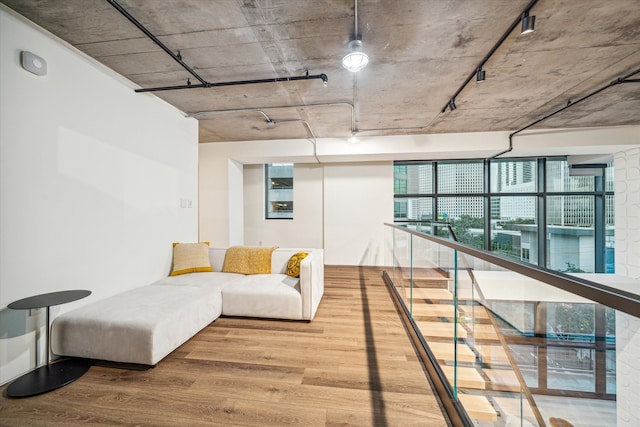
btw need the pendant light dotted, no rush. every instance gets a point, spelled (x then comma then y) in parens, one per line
(356, 59)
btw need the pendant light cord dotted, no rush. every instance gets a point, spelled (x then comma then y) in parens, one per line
(355, 14)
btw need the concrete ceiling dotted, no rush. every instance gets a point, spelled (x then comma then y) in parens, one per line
(421, 52)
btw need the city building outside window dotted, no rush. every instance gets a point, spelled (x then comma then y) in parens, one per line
(278, 190)
(530, 209)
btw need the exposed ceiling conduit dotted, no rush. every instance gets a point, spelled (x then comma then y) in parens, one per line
(260, 109)
(313, 135)
(270, 122)
(619, 80)
(203, 83)
(322, 104)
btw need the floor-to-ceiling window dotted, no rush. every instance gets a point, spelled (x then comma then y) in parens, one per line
(541, 211)
(537, 210)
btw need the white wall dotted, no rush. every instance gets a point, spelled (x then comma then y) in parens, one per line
(91, 179)
(306, 227)
(221, 187)
(627, 190)
(340, 206)
(236, 202)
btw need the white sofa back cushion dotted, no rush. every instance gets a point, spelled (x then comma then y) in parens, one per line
(279, 258)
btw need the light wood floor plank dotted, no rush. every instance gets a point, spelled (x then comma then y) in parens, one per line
(352, 365)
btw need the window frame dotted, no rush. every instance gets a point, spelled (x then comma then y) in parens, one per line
(604, 200)
(268, 191)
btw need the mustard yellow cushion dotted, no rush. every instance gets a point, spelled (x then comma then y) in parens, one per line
(190, 258)
(293, 265)
(248, 260)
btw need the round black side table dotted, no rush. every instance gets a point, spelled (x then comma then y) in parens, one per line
(51, 375)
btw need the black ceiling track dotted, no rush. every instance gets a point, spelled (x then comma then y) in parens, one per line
(203, 83)
(451, 102)
(624, 79)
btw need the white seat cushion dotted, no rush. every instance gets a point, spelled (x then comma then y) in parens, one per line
(263, 295)
(141, 326)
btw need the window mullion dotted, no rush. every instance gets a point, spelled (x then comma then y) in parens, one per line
(487, 204)
(541, 214)
(599, 223)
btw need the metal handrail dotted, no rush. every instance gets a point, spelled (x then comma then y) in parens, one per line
(611, 297)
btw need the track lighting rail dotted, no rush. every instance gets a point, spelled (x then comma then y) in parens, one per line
(203, 83)
(495, 47)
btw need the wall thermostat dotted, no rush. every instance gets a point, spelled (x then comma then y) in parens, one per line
(33, 63)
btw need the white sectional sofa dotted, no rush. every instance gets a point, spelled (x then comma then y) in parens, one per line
(145, 324)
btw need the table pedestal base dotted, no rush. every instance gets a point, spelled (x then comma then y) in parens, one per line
(49, 377)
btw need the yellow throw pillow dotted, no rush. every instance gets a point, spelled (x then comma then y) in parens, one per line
(248, 260)
(190, 258)
(293, 265)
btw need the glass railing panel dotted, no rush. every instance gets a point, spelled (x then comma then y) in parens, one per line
(490, 377)
(557, 350)
(401, 263)
(433, 308)
(514, 349)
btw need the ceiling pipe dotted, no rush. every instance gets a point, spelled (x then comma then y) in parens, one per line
(203, 83)
(619, 80)
(322, 104)
(491, 52)
(153, 38)
(260, 109)
(271, 122)
(323, 77)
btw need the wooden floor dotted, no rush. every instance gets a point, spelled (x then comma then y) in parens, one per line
(352, 365)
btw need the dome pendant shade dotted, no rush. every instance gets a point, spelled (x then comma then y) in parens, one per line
(355, 60)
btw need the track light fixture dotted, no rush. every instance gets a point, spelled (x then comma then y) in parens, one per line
(528, 23)
(356, 59)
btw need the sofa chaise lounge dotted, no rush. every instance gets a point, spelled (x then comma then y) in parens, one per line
(145, 324)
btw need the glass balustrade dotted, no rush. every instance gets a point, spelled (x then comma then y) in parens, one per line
(512, 348)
